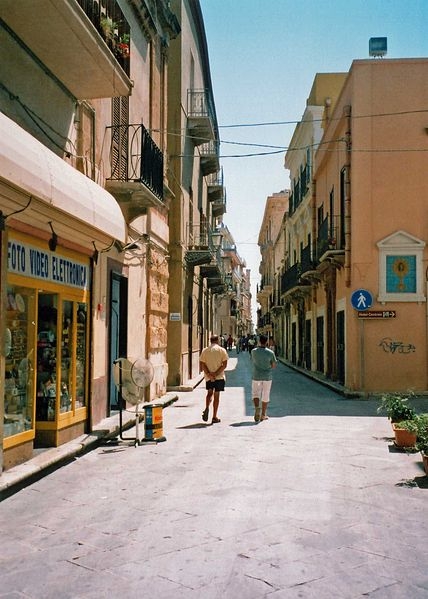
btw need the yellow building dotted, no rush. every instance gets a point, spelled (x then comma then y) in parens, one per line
(195, 178)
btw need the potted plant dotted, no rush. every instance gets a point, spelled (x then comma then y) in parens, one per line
(405, 432)
(422, 439)
(123, 45)
(396, 407)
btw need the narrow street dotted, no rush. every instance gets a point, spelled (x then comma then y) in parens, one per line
(314, 502)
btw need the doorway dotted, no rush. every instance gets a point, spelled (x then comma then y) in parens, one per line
(118, 329)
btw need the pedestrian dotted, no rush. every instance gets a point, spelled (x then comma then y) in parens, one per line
(213, 362)
(263, 362)
(230, 342)
(251, 344)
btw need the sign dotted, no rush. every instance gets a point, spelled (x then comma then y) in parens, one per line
(175, 316)
(361, 300)
(31, 261)
(373, 314)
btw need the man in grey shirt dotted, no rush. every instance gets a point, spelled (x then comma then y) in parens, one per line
(263, 362)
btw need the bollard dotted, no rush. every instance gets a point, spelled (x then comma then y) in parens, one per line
(153, 424)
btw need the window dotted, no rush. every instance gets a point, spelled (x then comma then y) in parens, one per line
(400, 268)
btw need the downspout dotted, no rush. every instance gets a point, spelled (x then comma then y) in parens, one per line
(348, 141)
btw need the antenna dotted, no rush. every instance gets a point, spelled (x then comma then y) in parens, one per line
(378, 47)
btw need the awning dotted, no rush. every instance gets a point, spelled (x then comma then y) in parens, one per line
(31, 167)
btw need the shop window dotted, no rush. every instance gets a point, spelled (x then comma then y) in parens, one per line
(20, 361)
(61, 356)
(400, 268)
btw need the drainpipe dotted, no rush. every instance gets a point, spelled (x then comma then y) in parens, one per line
(348, 141)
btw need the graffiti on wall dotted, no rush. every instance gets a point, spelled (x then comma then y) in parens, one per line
(390, 346)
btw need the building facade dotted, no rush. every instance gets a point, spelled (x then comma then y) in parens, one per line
(196, 212)
(356, 289)
(84, 211)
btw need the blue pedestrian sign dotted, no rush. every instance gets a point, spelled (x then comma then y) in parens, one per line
(361, 300)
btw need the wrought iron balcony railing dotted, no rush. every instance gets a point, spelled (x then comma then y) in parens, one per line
(200, 115)
(136, 158)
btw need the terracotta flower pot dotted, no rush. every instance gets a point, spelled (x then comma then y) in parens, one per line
(425, 461)
(404, 438)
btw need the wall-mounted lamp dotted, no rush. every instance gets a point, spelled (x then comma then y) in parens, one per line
(216, 238)
(53, 241)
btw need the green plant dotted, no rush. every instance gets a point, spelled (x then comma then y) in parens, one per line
(395, 406)
(422, 432)
(410, 426)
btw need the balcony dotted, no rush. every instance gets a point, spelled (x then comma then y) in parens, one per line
(215, 186)
(66, 35)
(136, 163)
(210, 162)
(331, 240)
(202, 245)
(200, 120)
(218, 207)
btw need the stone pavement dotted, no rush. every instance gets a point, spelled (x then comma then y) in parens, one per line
(314, 502)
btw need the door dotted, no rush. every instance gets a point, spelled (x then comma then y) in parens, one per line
(118, 329)
(308, 344)
(320, 344)
(340, 348)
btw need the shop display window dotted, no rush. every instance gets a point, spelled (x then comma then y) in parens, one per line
(61, 356)
(20, 360)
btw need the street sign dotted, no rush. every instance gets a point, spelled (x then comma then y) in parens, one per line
(373, 314)
(361, 300)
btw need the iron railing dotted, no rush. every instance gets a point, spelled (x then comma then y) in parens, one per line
(135, 157)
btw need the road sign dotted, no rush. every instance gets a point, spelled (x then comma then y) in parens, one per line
(376, 314)
(361, 300)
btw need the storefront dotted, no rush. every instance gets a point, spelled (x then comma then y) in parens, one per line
(46, 353)
(53, 219)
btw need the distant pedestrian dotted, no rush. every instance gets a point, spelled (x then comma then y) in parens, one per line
(230, 342)
(213, 362)
(263, 362)
(251, 344)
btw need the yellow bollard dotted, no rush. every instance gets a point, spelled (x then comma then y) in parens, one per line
(153, 423)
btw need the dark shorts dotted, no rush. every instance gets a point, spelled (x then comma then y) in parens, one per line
(216, 385)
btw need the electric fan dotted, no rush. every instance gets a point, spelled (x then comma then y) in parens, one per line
(131, 376)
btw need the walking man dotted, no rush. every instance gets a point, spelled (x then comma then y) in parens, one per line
(263, 362)
(213, 362)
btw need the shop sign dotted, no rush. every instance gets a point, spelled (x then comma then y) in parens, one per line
(31, 261)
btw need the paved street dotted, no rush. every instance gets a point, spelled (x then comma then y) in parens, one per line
(315, 502)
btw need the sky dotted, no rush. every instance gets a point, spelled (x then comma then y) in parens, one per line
(264, 55)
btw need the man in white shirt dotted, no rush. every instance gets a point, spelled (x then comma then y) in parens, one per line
(213, 362)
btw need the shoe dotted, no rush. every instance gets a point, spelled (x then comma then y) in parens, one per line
(264, 417)
(205, 415)
(215, 420)
(257, 414)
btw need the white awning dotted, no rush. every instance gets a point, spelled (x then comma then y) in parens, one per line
(31, 167)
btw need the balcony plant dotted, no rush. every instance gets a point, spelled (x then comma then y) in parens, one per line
(396, 407)
(123, 45)
(109, 28)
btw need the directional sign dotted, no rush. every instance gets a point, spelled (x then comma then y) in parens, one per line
(376, 314)
(361, 300)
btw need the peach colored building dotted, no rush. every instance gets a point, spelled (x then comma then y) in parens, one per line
(364, 297)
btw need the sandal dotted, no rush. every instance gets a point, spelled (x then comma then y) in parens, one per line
(215, 420)
(264, 417)
(205, 415)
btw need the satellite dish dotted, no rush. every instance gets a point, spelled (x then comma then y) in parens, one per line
(131, 377)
